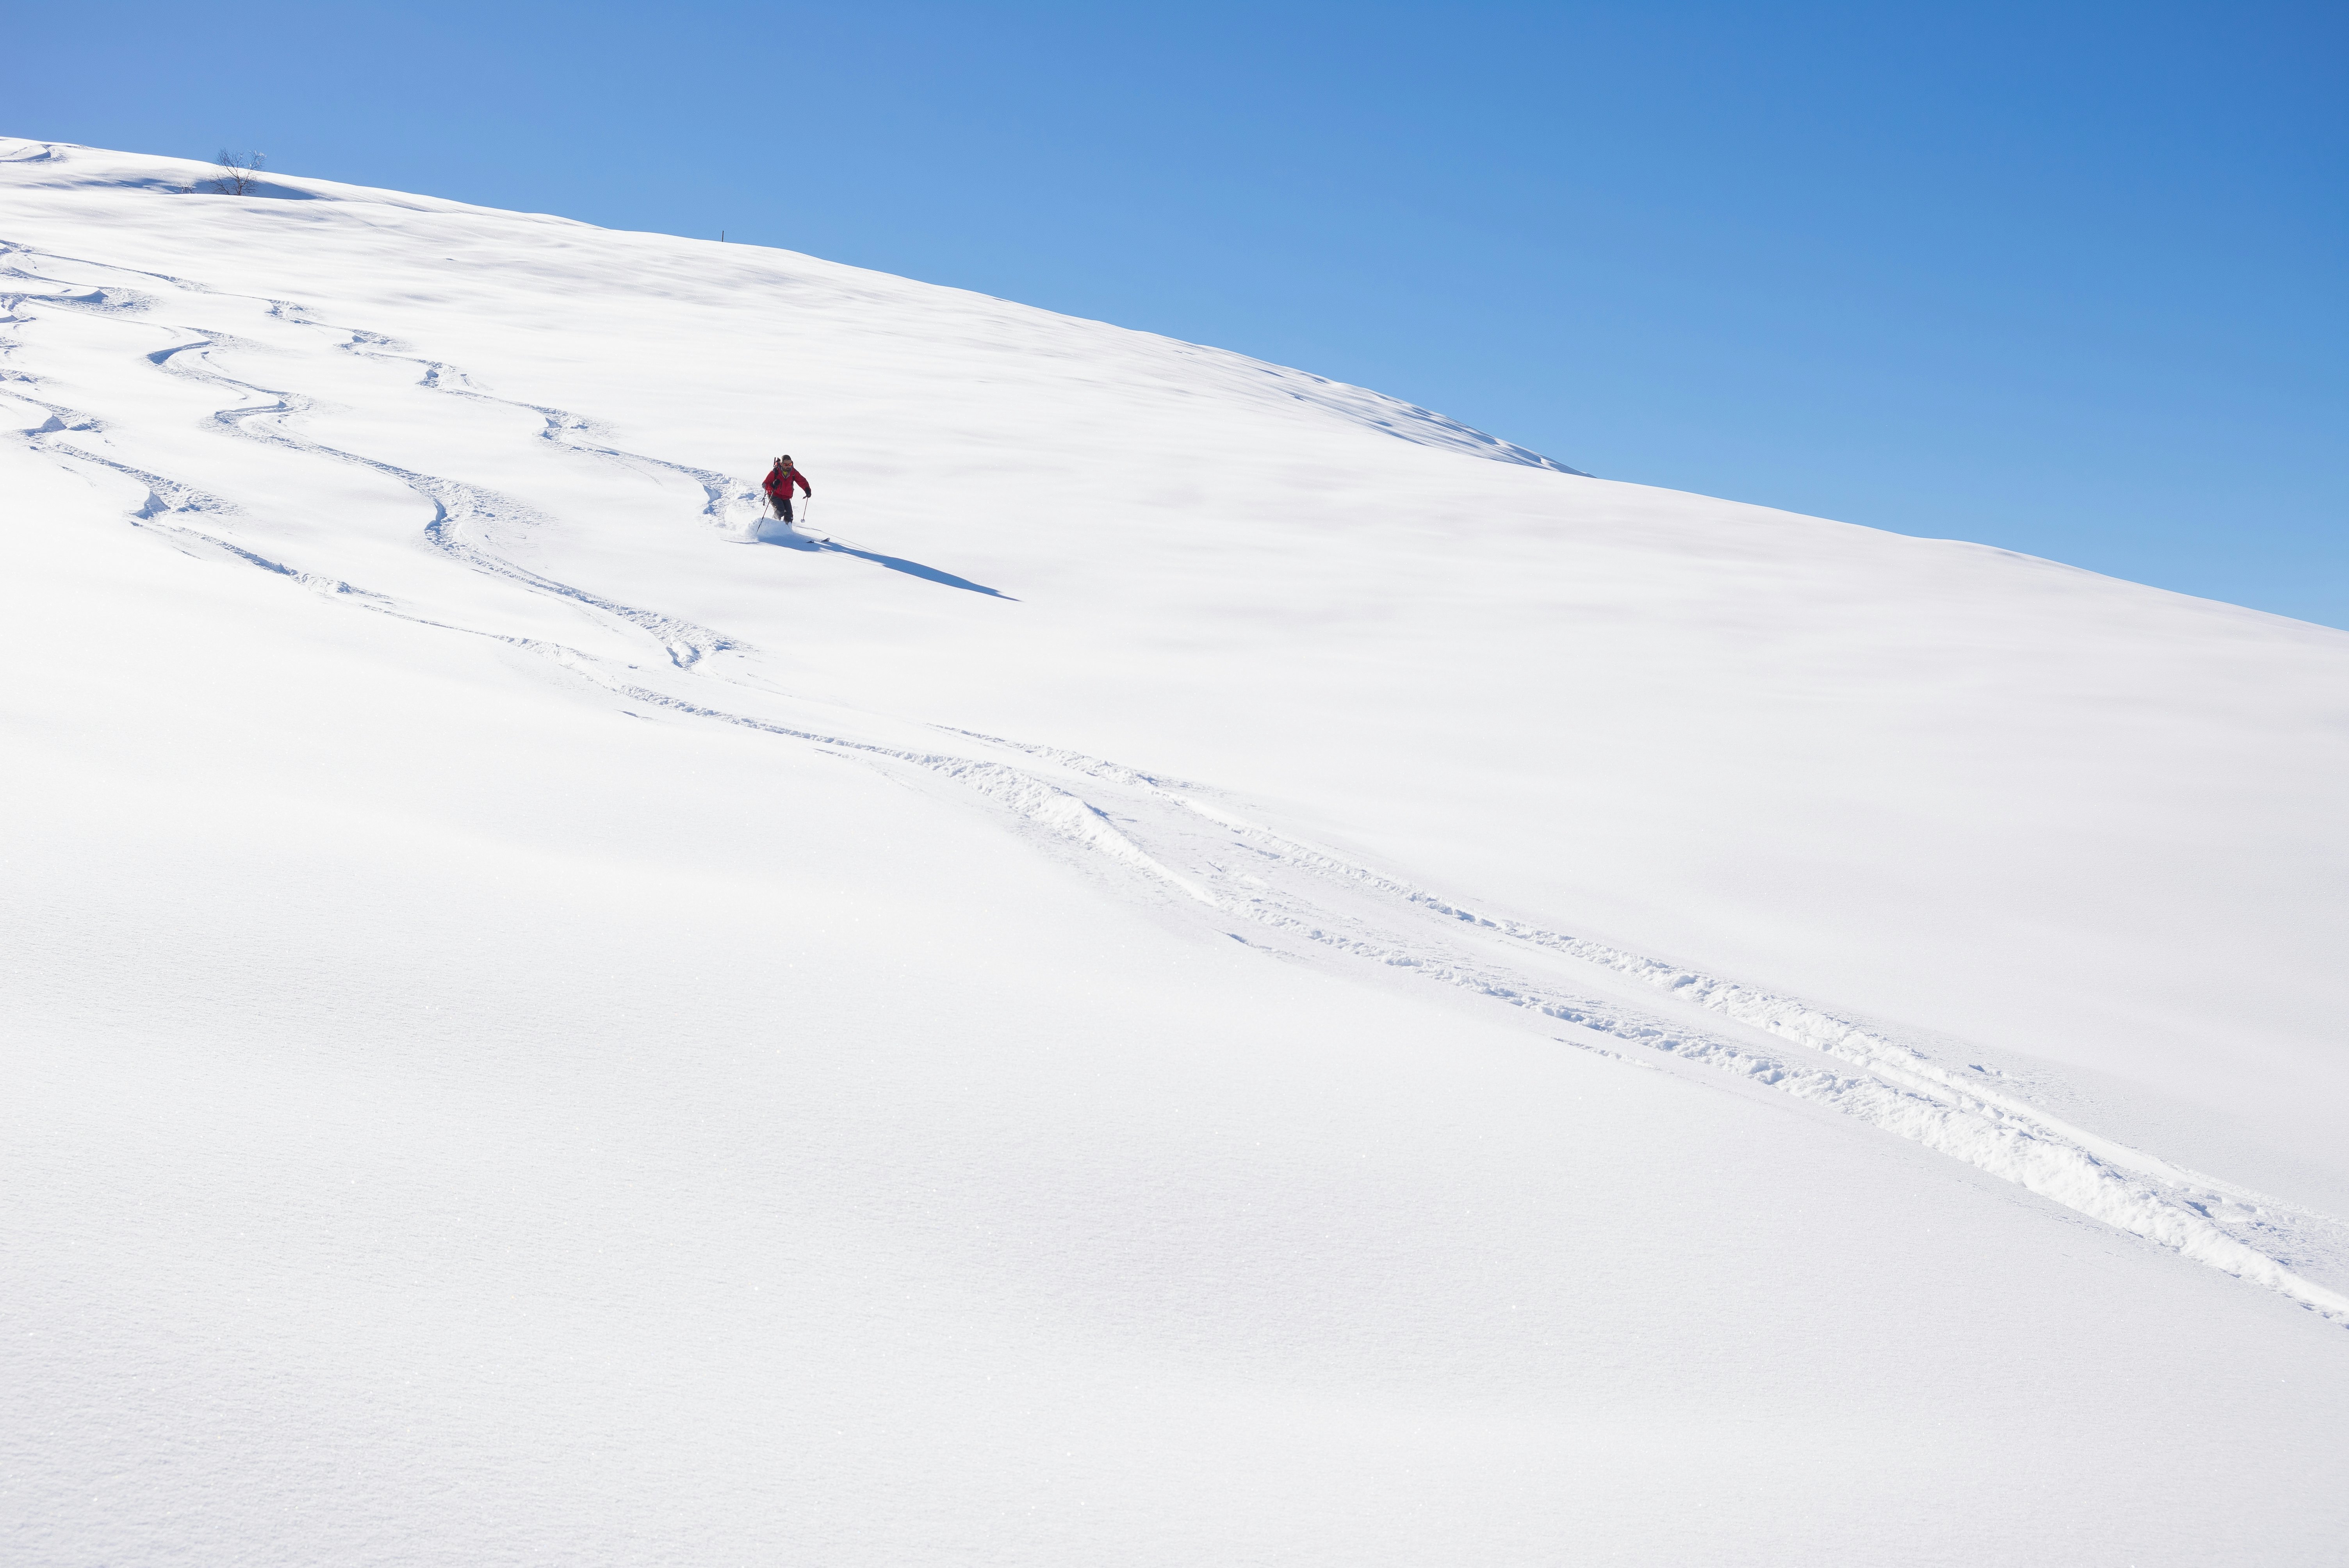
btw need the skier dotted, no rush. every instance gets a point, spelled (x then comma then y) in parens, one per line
(780, 479)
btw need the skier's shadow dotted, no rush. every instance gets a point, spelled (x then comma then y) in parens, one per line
(791, 540)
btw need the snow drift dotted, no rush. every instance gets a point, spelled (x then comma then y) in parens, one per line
(1207, 966)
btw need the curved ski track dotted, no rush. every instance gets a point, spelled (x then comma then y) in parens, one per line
(1303, 902)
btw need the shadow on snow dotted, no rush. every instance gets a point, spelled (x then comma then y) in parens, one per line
(791, 540)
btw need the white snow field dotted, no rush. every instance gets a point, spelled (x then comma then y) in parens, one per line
(1209, 968)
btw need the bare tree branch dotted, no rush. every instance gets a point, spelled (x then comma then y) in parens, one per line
(236, 173)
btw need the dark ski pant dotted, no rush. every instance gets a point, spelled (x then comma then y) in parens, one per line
(782, 506)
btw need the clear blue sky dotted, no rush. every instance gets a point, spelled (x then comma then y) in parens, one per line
(2072, 279)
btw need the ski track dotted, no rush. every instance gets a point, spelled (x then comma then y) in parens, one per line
(1866, 1072)
(1180, 837)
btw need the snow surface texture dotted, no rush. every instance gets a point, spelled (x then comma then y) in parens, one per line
(1589, 1023)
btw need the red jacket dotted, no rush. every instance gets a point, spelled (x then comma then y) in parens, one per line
(779, 480)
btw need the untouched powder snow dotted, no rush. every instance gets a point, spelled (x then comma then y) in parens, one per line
(1206, 967)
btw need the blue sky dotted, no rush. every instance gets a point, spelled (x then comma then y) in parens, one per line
(2073, 280)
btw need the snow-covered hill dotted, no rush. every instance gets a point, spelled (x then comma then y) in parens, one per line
(1211, 968)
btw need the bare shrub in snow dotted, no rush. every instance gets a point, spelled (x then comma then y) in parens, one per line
(236, 173)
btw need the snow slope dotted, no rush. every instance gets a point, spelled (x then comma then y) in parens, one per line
(1231, 971)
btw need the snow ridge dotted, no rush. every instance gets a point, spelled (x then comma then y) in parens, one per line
(1405, 421)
